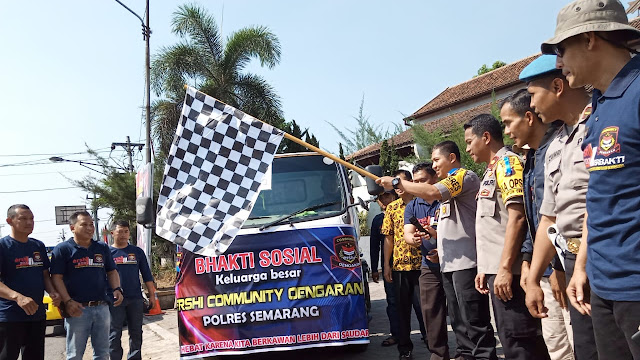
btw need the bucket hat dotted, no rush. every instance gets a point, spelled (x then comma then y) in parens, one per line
(583, 16)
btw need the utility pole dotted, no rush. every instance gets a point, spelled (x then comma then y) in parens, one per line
(95, 216)
(128, 147)
(146, 34)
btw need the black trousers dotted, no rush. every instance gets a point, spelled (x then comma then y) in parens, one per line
(434, 312)
(584, 341)
(469, 315)
(614, 322)
(407, 289)
(23, 336)
(519, 332)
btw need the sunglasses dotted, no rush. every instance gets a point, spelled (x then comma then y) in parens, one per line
(558, 49)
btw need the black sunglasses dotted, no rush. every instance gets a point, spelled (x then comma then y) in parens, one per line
(558, 49)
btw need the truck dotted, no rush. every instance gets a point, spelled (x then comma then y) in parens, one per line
(291, 279)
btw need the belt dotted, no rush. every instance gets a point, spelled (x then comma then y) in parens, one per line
(94, 303)
(573, 245)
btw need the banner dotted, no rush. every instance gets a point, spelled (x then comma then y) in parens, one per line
(273, 291)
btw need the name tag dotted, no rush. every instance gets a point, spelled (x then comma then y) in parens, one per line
(445, 210)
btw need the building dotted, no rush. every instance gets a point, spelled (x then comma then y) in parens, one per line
(459, 103)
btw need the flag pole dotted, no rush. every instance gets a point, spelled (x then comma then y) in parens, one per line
(320, 151)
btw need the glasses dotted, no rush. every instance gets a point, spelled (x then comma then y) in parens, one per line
(558, 49)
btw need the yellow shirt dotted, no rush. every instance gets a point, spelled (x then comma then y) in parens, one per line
(405, 257)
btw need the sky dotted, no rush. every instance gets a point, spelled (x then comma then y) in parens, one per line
(72, 73)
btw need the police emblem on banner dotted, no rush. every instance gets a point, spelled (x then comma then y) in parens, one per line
(346, 256)
(608, 143)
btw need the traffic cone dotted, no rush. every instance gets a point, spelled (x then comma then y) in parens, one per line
(155, 310)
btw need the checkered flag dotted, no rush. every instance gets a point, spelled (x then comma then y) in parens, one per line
(211, 180)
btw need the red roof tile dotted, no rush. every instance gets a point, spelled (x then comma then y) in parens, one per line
(479, 86)
(443, 124)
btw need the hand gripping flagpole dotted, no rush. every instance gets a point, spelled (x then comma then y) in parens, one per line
(322, 152)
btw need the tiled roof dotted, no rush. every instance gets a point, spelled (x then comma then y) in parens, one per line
(482, 85)
(443, 124)
(476, 87)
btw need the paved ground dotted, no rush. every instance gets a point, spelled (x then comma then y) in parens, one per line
(161, 340)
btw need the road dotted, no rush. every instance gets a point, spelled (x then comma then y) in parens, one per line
(161, 339)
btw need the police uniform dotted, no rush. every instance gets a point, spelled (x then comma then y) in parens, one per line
(501, 186)
(565, 190)
(468, 309)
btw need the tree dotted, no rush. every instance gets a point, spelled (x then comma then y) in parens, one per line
(341, 152)
(484, 69)
(365, 133)
(116, 190)
(203, 60)
(288, 146)
(427, 140)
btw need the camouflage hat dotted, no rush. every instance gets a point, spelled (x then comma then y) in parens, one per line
(583, 16)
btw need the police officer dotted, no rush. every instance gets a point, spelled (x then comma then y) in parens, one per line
(500, 231)
(565, 189)
(591, 42)
(524, 127)
(456, 191)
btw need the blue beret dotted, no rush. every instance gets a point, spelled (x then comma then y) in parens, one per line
(544, 64)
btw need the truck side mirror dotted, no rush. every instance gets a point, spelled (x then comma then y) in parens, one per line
(372, 187)
(144, 211)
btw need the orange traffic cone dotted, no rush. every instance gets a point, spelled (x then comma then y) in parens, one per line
(155, 310)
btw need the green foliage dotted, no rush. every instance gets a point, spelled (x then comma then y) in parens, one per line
(362, 220)
(427, 140)
(364, 133)
(116, 190)
(485, 69)
(288, 146)
(341, 152)
(203, 60)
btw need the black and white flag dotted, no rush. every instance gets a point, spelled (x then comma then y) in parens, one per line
(216, 163)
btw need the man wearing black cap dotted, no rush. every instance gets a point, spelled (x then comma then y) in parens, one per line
(592, 44)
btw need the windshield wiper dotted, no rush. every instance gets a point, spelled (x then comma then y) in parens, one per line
(286, 217)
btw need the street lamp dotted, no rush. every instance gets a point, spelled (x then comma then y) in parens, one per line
(146, 33)
(82, 163)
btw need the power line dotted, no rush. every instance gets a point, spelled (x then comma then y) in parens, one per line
(43, 173)
(59, 154)
(34, 190)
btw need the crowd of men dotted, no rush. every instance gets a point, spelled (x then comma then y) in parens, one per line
(96, 287)
(552, 223)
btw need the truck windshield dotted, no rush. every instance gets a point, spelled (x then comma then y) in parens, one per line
(299, 182)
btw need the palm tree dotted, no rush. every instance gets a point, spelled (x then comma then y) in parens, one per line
(215, 67)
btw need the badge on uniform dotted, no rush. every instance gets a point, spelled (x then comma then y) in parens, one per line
(508, 169)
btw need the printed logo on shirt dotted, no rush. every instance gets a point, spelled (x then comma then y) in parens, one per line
(593, 163)
(608, 143)
(29, 261)
(129, 259)
(86, 261)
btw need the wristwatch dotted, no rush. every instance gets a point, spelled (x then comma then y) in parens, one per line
(119, 289)
(395, 182)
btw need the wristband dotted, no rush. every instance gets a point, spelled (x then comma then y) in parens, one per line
(67, 302)
(119, 289)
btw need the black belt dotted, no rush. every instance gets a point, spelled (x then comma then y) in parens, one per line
(94, 303)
